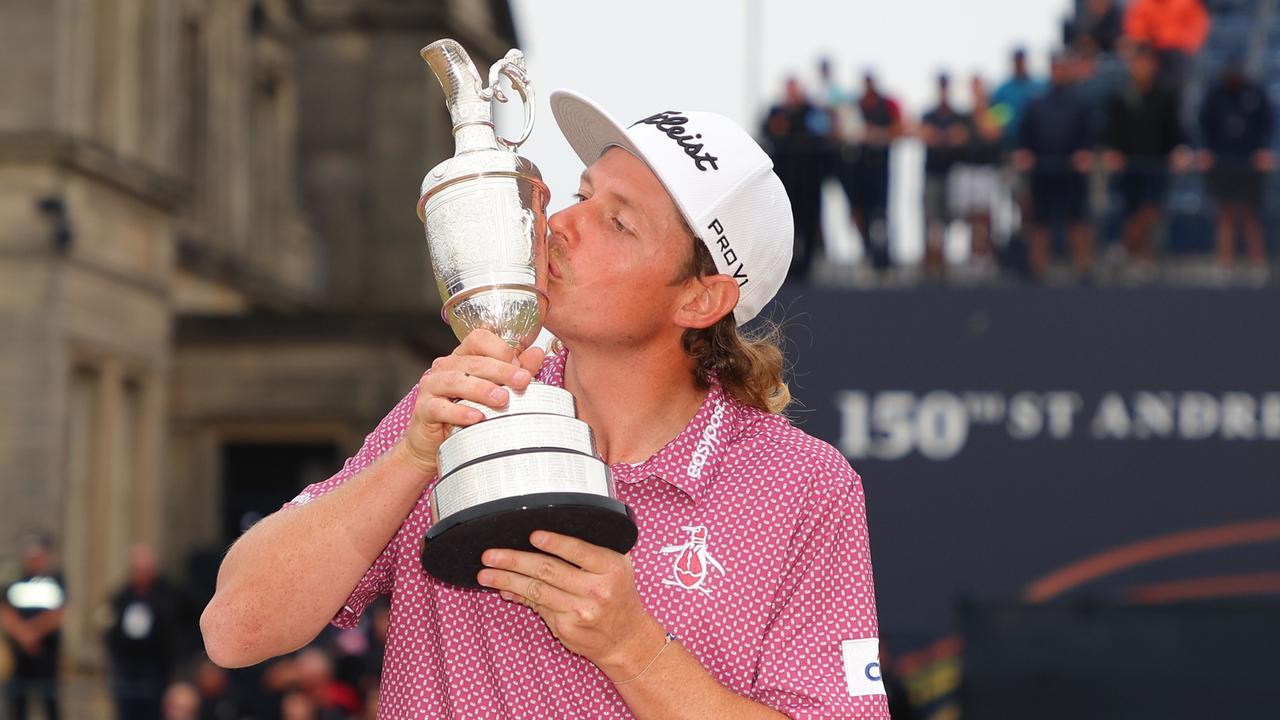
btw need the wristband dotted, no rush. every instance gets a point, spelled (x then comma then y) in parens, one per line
(670, 636)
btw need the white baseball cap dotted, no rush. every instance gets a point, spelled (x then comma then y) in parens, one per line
(722, 182)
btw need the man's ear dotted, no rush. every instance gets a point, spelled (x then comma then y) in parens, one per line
(706, 300)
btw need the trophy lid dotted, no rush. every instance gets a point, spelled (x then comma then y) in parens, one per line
(478, 149)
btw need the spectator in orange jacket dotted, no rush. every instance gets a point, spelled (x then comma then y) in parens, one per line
(1174, 28)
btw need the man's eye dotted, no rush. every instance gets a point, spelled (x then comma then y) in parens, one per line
(579, 197)
(617, 225)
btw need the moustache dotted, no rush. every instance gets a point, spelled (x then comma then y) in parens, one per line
(557, 257)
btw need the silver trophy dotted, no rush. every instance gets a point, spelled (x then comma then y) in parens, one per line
(532, 465)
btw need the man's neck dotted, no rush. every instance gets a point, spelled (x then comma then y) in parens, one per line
(635, 401)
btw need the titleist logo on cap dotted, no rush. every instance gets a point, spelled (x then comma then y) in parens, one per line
(671, 123)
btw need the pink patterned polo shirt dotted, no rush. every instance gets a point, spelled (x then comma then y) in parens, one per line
(752, 550)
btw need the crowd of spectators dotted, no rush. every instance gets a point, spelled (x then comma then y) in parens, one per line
(156, 665)
(1103, 137)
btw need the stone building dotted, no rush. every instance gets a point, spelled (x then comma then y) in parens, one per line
(213, 282)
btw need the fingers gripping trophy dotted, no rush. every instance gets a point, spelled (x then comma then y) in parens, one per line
(532, 465)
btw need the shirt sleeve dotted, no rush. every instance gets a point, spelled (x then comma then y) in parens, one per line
(895, 110)
(377, 579)
(821, 650)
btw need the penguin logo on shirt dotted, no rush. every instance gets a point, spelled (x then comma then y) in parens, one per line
(692, 561)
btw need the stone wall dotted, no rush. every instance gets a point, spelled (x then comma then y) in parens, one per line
(167, 161)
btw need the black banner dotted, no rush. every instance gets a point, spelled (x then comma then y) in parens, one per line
(1042, 445)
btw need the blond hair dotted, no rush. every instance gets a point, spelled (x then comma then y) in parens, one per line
(748, 366)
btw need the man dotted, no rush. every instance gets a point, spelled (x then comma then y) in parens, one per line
(830, 94)
(1056, 138)
(181, 702)
(1010, 99)
(1174, 29)
(1097, 27)
(216, 699)
(945, 133)
(867, 185)
(146, 622)
(799, 134)
(1144, 138)
(650, 273)
(973, 189)
(31, 611)
(1008, 103)
(1236, 122)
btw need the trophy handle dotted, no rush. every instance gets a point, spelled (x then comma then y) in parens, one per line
(513, 67)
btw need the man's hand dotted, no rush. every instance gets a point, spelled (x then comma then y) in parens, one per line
(21, 632)
(1082, 161)
(1023, 160)
(1204, 161)
(930, 135)
(29, 643)
(477, 370)
(1114, 160)
(1263, 161)
(1182, 159)
(587, 596)
(878, 136)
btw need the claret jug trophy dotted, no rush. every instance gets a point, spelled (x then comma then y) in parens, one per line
(533, 464)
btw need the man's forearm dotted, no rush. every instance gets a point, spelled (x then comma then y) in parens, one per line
(282, 581)
(677, 686)
(46, 622)
(9, 618)
(13, 625)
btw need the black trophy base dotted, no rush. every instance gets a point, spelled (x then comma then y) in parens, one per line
(452, 548)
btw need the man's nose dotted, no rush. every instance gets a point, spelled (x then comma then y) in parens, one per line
(563, 224)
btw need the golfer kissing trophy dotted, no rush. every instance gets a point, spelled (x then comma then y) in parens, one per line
(531, 465)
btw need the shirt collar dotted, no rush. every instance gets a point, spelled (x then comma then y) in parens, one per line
(690, 460)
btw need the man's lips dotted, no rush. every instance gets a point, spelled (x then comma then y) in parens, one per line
(557, 267)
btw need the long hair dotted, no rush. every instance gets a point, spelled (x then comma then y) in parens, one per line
(748, 367)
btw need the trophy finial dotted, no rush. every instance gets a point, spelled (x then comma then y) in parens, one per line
(468, 99)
